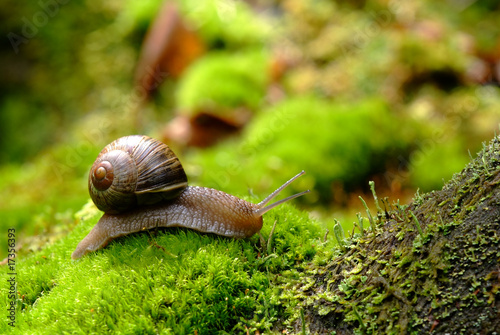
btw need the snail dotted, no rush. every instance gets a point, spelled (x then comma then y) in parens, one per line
(140, 184)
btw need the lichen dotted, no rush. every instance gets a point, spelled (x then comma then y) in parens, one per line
(431, 267)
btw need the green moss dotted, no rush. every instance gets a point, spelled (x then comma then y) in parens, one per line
(432, 166)
(40, 197)
(220, 82)
(348, 144)
(445, 271)
(167, 281)
(226, 24)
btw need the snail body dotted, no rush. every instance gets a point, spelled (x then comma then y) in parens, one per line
(162, 201)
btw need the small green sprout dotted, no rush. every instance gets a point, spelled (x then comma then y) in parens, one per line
(370, 218)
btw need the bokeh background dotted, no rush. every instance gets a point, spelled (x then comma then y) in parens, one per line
(247, 93)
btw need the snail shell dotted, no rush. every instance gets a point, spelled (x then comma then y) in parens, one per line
(134, 171)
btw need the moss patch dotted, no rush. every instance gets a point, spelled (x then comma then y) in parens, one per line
(349, 143)
(170, 281)
(432, 266)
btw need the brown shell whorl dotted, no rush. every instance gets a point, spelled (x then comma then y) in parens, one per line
(115, 192)
(102, 175)
(135, 170)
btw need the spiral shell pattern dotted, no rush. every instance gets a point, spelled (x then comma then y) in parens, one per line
(133, 171)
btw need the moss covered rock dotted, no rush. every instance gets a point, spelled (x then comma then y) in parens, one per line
(431, 267)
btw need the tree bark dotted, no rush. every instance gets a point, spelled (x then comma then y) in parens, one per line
(431, 267)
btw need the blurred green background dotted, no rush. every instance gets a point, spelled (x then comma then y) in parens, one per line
(247, 93)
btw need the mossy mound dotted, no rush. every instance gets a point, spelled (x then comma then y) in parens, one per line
(173, 281)
(432, 266)
(241, 82)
